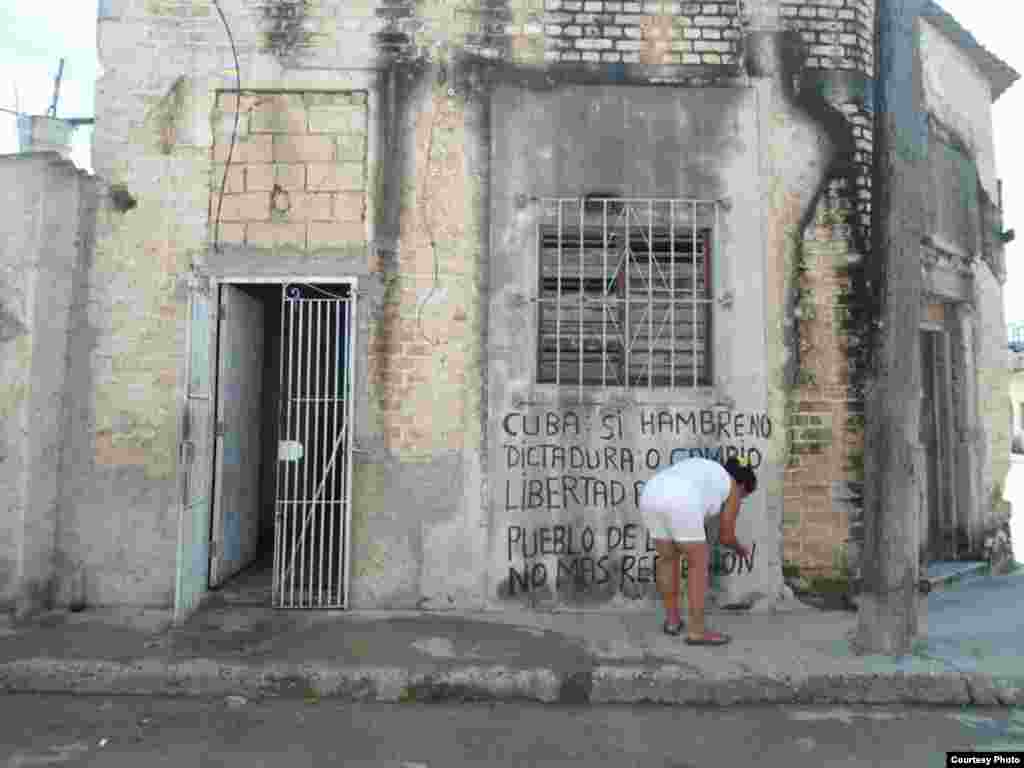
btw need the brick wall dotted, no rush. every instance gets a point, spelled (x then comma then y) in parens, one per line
(654, 33)
(297, 177)
(838, 33)
(823, 479)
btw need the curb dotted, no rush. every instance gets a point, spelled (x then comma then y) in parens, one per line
(669, 684)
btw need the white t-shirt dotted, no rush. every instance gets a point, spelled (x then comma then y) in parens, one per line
(700, 483)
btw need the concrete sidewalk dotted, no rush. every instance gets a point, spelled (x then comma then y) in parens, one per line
(801, 655)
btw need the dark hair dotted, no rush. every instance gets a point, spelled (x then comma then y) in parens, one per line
(742, 474)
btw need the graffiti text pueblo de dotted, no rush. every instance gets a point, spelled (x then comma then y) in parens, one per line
(577, 473)
(627, 557)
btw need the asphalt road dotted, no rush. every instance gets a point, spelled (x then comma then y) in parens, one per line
(140, 731)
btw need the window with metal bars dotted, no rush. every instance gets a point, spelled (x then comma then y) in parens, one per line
(625, 293)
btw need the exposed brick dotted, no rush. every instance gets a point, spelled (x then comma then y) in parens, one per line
(631, 58)
(591, 56)
(290, 175)
(629, 45)
(711, 34)
(337, 120)
(230, 232)
(336, 233)
(711, 58)
(235, 180)
(611, 57)
(308, 206)
(632, 32)
(573, 31)
(248, 206)
(278, 113)
(691, 58)
(276, 234)
(349, 206)
(325, 177)
(302, 149)
(250, 149)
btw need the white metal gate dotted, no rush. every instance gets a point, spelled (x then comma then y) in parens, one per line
(311, 523)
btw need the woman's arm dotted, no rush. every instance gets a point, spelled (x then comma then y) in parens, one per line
(730, 509)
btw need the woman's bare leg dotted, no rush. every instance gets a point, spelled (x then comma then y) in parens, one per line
(666, 575)
(697, 584)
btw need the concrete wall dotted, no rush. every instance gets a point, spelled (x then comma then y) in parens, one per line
(396, 144)
(47, 237)
(958, 98)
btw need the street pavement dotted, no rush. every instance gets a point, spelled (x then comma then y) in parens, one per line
(125, 732)
(972, 653)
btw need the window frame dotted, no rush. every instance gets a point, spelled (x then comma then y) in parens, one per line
(600, 220)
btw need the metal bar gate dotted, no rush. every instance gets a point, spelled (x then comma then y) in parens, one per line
(312, 514)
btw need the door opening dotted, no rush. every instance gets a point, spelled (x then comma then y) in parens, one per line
(281, 458)
(939, 528)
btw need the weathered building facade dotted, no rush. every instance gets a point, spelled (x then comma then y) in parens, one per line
(410, 299)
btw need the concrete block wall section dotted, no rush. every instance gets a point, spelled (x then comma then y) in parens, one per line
(297, 177)
(838, 33)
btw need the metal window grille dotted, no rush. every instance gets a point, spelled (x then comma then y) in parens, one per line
(625, 292)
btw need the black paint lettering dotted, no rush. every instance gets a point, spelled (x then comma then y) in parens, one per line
(645, 572)
(515, 533)
(553, 424)
(505, 425)
(689, 420)
(610, 461)
(638, 491)
(628, 562)
(558, 457)
(738, 427)
(526, 553)
(600, 493)
(587, 540)
(614, 537)
(730, 451)
(612, 422)
(626, 460)
(723, 424)
(559, 539)
(728, 564)
(602, 563)
(573, 419)
(569, 488)
(545, 541)
(707, 423)
(618, 492)
(649, 542)
(509, 504)
(569, 569)
(664, 422)
(628, 536)
(653, 458)
(512, 456)
(526, 425)
(748, 562)
(646, 422)
(538, 575)
(554, 495)
(754, 462)
(517, 581)
(535, 494)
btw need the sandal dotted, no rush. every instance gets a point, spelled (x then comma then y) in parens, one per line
(675, 631)
(710, 638)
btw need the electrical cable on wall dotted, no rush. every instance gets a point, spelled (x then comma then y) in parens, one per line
(234, 130)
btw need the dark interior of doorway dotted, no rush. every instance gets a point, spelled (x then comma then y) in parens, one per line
(253, 584)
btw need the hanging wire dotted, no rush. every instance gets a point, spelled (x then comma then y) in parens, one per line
(234, 130)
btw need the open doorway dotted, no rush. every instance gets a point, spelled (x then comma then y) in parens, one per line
(281, 459)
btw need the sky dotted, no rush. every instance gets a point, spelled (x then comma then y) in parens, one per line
(40, 32)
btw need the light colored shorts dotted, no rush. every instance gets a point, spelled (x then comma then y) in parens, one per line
(673, 517)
